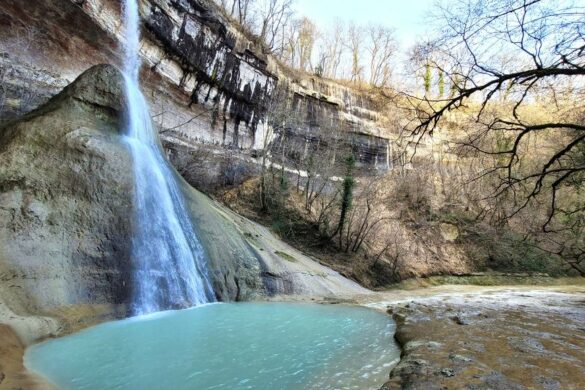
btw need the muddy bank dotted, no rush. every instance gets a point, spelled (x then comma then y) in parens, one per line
(13, 374)
(464, 337)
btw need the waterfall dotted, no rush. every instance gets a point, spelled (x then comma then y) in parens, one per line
(169, 262)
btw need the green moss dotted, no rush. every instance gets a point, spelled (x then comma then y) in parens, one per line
(253, 240)
(487, 279)
(286, 256)
(214, 73)
(504, 280)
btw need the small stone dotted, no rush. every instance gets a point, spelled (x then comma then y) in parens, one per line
(460, 321)
(449, 231)
(434, 345)
(448, 372)
(459, 358)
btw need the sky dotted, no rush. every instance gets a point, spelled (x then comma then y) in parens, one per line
(406, 16)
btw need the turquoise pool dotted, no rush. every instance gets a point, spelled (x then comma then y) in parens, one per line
(226, 346)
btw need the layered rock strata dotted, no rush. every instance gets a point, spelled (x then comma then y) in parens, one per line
(207, 83)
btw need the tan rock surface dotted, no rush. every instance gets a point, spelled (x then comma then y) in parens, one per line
(464, 337)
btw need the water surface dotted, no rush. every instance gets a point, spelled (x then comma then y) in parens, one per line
(226, 346)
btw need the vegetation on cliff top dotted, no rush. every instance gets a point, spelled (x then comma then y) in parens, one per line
(492, 147)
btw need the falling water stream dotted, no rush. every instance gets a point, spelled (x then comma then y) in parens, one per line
(168, 259)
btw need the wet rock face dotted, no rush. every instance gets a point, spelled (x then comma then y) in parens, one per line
(66, 185)
(207, 84)
(326, 124)
(234, 85)
(496, 340)
(43, 49)
(64, 211)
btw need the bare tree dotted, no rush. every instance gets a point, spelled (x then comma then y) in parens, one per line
(382, 47)
(228, 5)
(272, 18)
(531, 55)
(306, 42)
(243, 12)
(391, 253)
(331, 50)
(364, 216)
(281, 117)
(354, 43)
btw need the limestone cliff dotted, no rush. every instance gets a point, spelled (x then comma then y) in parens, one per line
(207, 83)
(66, 184)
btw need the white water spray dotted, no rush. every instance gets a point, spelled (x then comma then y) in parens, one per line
(169, 262)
